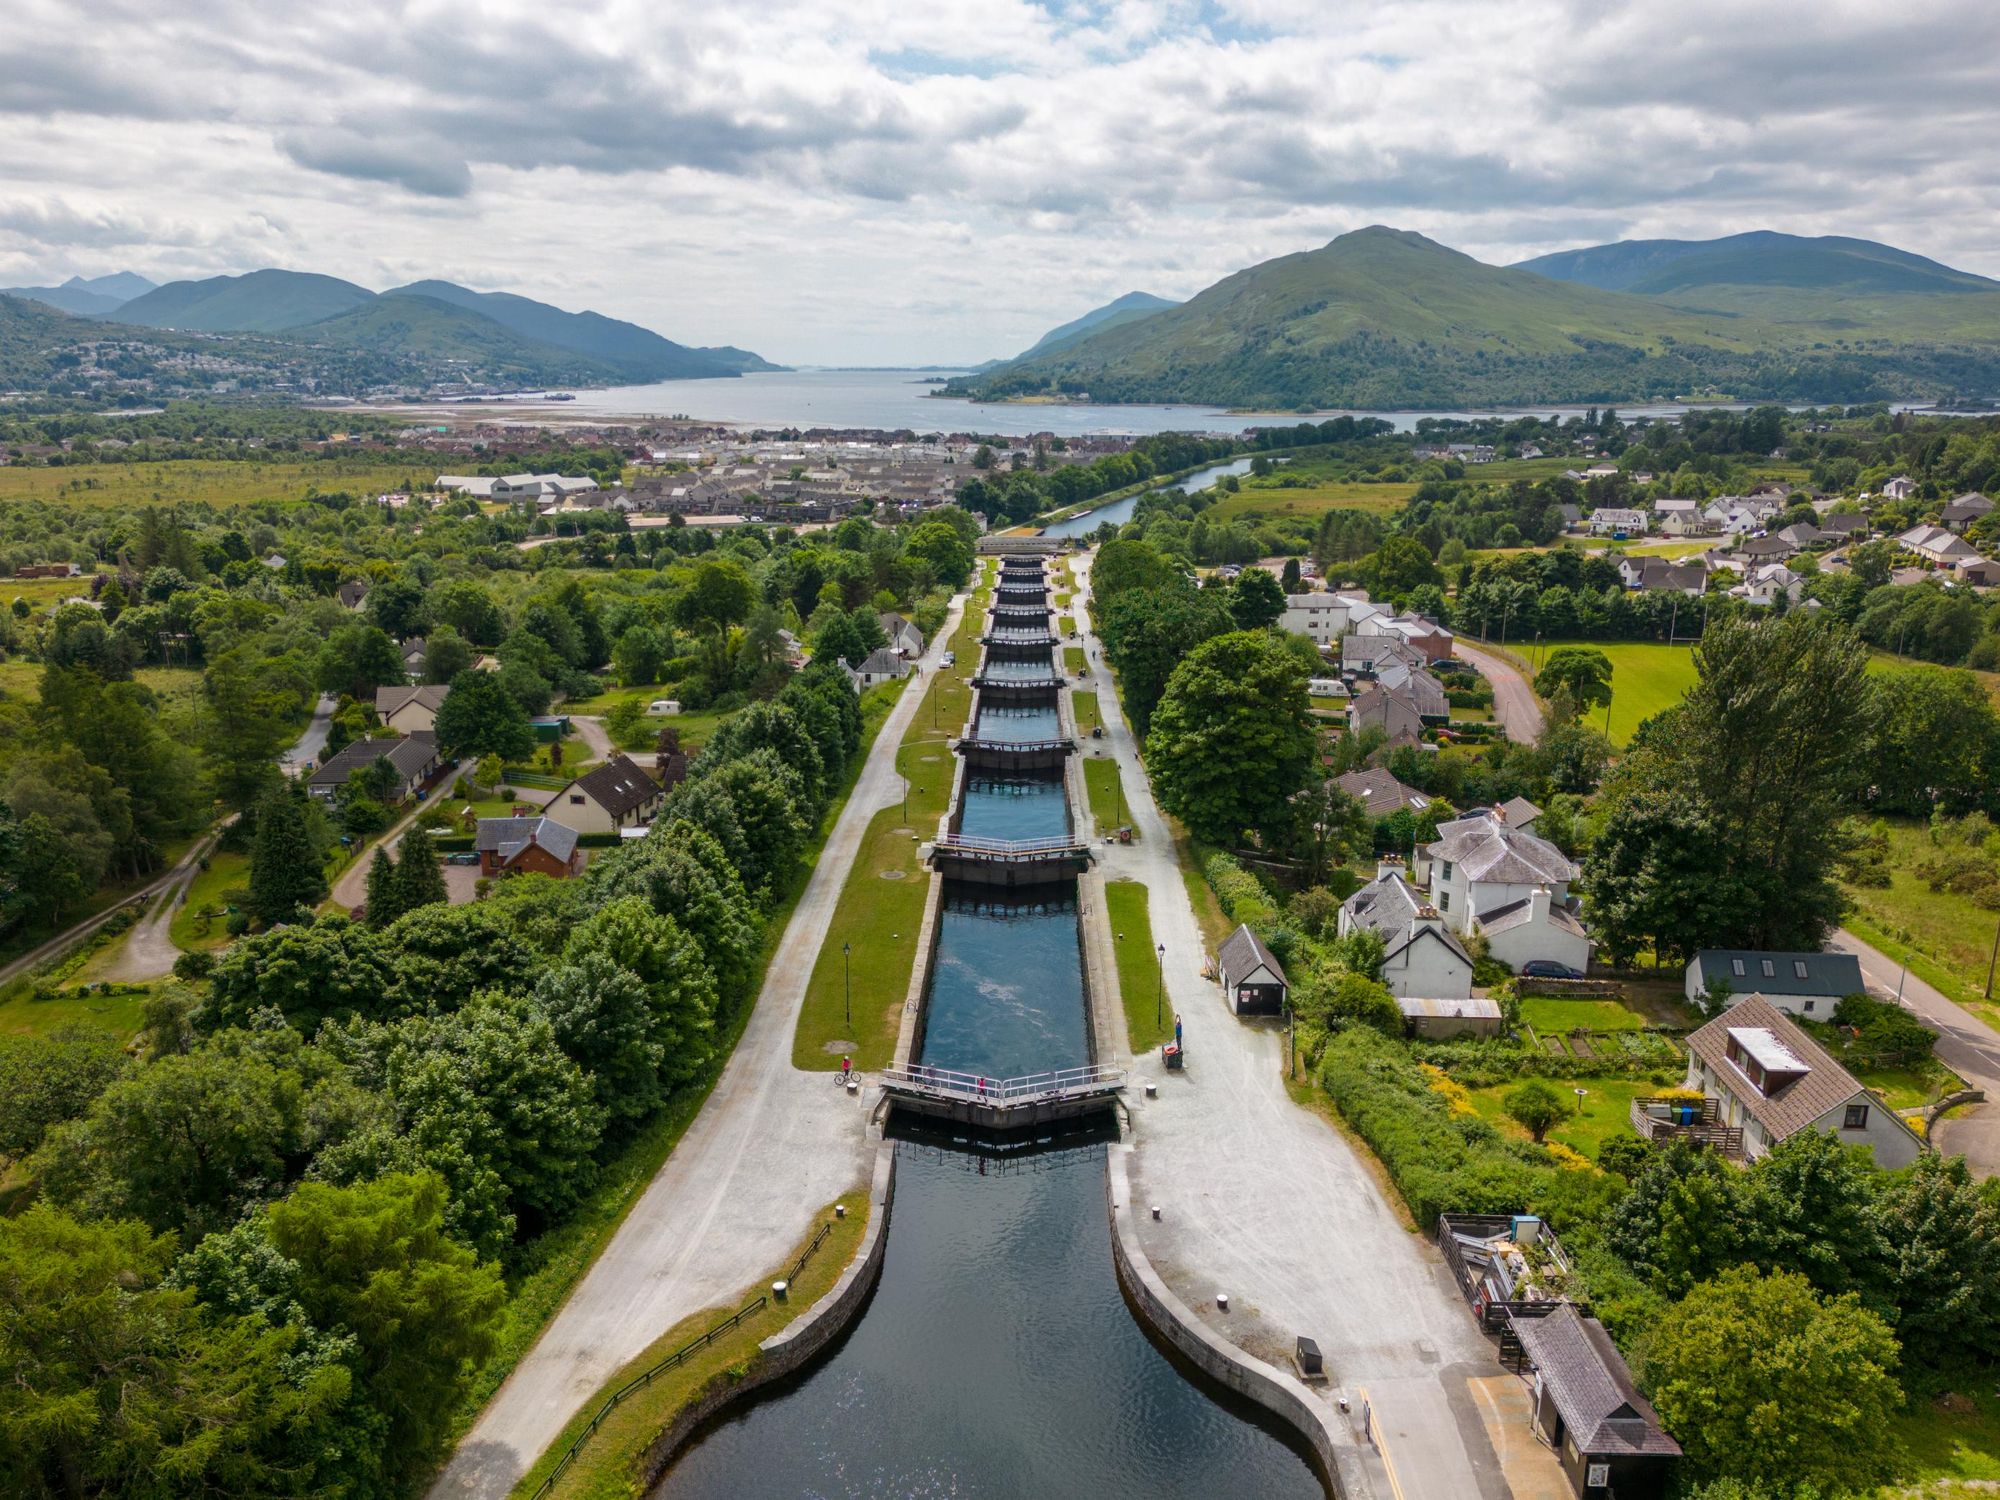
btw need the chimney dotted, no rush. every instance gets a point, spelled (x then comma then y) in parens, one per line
(1427, 916)
(1538, 906)
(1387, 865)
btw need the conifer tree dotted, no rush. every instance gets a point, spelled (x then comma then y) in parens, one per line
(419, 877)
(285, 876)
(385, 891)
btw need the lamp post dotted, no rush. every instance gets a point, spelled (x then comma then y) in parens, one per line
(847, 978)
(1160, 989)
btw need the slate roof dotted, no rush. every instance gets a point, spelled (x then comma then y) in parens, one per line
(389, 700)
(1388, 905)
(507, 837)
(413, 648)
(1380, 793)
(1519, 812)
(1832, 974)
(1520, 913)
(1378, 649)
(1487, 848)
(883, 663)
(408, 754)
(1584, 1375)
(1243, 951)
(618, 786)
(1417, 685)
(1794, 1106)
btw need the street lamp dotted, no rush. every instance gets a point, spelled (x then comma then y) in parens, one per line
(847, 976)
(1160, 990)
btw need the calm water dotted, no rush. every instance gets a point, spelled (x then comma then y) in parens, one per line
(1121, 511)
(1014, 807)
(1015, 723)
(1015, 671)
(894, 400)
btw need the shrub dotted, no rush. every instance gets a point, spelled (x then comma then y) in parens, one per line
(194, 966)
(1240, 894)
(1535, 1107)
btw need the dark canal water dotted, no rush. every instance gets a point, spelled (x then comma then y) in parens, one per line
(1016, 723)
(997, 1359)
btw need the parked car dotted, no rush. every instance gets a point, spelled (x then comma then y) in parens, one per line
(951, 658)
(461, 857)
(1547, 968)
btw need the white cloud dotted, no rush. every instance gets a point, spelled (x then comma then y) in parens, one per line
(870, 181)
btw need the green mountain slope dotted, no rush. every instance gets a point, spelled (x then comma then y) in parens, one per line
(428, 330)
(1660, 268)
(260, 302)
(1129, 308)
(1385, 318)
(639, 351)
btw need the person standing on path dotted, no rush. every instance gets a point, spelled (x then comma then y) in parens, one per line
(1177, 1032)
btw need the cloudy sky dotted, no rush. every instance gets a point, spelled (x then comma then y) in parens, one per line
(881, 181)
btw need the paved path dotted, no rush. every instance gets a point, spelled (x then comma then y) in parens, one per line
(313, 741)
(148, 950)
(770, 1148)
(1514, 703)
(1966, 1045)
(596, 738)
(1264, 1200)
(352, 887)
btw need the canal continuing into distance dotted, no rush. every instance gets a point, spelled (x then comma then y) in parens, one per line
(997, 1359)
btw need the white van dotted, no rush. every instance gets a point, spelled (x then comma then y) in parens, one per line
(661, 708)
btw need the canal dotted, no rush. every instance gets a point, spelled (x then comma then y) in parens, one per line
(997, 1358)
(1118, 512)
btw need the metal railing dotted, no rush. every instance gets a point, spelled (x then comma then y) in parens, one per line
(1704, 1130)
(1009, 849)
(974, 742)
(1032, 1088)
(679, 1357)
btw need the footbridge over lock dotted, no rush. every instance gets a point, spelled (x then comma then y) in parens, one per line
(1003, 1104)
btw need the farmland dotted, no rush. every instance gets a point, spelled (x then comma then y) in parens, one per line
(110, 486)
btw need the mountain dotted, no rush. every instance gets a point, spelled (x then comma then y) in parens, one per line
(260, 302)
(89, 297)
(1383, 318)
(1127, 309)
(1663, 268)
(428, 328)
(639, 351)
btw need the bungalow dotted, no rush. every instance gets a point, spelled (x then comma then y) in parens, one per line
(1899, 488)
(1420, 955)
(351, 594)
(414, 758)
(1368, 654)
(405, 709)
(415, 654)
(1756, 549)
(881, 666)
(1801, 535)
(1616, 522)
(1800, 984)
(1935, 545)
(1322, 618)
(1606, 1436)
(1396, 714)
(527, 846)
(1252, 979)
(1380, 793)
(1658, 575)
(904, 637)
(1966, 509)
(1844, 525)
(1769, 1079)
(616, 795)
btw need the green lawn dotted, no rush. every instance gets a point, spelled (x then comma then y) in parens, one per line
(199, 924)
(1911, 1087)
(1646, 677)
(882, 903)
(1946, 938)
(1549, 1016)
(1308, 502)
(1105, 785)
(1147, 1023)
(1954, 1440)
(1605, 1113)
(1072, 659)
(212, 483)
(23, 1015)
(1084, 707)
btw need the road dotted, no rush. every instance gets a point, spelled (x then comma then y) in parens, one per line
(596, 739)
(1966, 1045)
(1266, 1201)
(1514, 703)
(148, 951)
(771, 1147)
(310, 744)
(63, 941)
(352, 887)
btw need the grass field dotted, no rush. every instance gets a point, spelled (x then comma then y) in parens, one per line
(1104, 783)
(882, 903)
(199, 924)
(606, 1465)
(177, 687)
(1605, 1113)
(1646, 677)
(1147, 1024)
(1946, 938)
(1084, 707)
(1309, 502)
(1557, 1016)
(218, 484)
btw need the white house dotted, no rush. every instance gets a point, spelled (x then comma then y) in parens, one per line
(1613, 521)
(1321, 618)
(618, 794)
(1800, 984)
(1536, 929)
(1770, 1080)
(904, 637)
(1421, 956)
(1485, 875)
(1899, 488)
(406, 709)
(881, 666)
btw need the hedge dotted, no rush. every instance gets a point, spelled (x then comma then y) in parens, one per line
(1240, 894)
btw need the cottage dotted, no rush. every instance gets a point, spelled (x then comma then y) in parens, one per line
(527, 846)
(1420, 956)
(1800, 984)
(1252, 980)
(1966, 509)
(881, 666)
(1606, 1435)
(413, 757)
(1396, 714)
(1899, 488)
(1520, 814)
(618, 794)
(1380, 793)
(1844, 525)
(415, 655)
(1368, 654)
(405, 709)
(1765, 1077)
(351, 594)
(1322, 618)
(1616, 522)
(904, 638)
(1425, 691)
(1485, 875)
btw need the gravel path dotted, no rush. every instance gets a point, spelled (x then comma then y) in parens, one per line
(1514, 703)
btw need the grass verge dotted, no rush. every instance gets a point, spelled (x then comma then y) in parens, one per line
(199, 923)
(607, 1464)
(1105, 787)
(1128, 905)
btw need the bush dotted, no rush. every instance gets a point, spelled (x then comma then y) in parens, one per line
(194, 966)
(1240, 894)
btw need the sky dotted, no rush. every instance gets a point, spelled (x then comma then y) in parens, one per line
(880, 182)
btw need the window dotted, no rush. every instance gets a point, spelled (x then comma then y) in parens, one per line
(1447, 870)
(1736, 967)
(1444, 901)
(576, 799)
(1799, 968)
(1809, 1007)
(1857, 1117)
(1770, 969)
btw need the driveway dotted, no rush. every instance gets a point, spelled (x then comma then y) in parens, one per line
(1514, 702)
(1264, 1200)
(148, 951)
(312, 743)
(1966, 1045)
(596, 739)
(770, 1148)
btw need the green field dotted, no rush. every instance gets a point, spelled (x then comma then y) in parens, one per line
(1083, 706)
(1309, 502)
(199, 923)
(1553, 1017)
(1105, 785)
(1127, 906)
(1646, 677)
(1946, 938)
(219, 484)
(1606, 1109)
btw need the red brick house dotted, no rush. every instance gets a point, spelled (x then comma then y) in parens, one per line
(527, 846)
